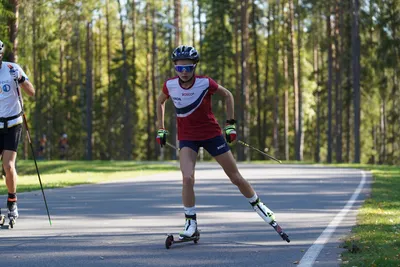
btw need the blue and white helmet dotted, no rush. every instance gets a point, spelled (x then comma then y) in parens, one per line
(1, 47)
(185, 52)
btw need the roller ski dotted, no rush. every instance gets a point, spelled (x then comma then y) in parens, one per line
(190, 233)
(269, 217)
(2, 219)
(279, 230)
(170, 239)
(12, 219)
(12, 215)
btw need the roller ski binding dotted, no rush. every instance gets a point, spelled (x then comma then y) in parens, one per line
(269, 217)
(190, 233)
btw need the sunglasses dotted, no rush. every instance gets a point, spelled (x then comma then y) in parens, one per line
(187, 68)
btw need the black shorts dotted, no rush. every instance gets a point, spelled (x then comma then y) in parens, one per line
(215, 146)
(9, 139)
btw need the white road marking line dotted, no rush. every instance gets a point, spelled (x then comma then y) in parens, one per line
(312, 253)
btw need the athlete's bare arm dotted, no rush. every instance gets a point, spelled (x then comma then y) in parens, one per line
(229, 101)
(161, 109)
(28, 88)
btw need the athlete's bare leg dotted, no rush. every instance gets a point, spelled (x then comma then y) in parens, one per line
(187, 158)
(228, 163)
(9, 167)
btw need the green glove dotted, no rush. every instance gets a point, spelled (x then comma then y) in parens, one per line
(230, 132)
(162, 137)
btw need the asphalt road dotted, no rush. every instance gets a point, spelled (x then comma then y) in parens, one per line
(125, 223)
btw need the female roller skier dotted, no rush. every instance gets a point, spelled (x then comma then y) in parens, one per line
(197, 127)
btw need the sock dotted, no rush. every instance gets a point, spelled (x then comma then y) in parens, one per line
(190, 210)
(253, 199)
(12, 201)
(12, 197)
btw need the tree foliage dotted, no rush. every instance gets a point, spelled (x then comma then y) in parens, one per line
(123, 64)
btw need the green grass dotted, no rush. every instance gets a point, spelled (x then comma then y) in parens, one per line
(56, 174)
(375, 241)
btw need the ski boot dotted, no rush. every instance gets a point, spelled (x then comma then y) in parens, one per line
(12, 213)
(268, 216)
(190, 227)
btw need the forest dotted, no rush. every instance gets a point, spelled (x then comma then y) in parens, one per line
(314, 81)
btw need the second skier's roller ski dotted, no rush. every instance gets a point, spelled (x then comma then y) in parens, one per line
(12, 213)
(2, 219)
(12, 216)
(269, 217)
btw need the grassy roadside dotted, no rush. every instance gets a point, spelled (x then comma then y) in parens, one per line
(56, 174)
(375, 241)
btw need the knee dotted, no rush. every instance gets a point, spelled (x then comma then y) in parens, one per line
(188, 180)
(9, 167)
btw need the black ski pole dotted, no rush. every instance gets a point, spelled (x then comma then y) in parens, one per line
(30, 143)
(258, 150)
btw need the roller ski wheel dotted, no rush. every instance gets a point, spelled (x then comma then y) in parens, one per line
(279, 230)
(170, 239)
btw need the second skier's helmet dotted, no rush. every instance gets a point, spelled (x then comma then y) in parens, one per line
(185, 52)
(1, 47)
